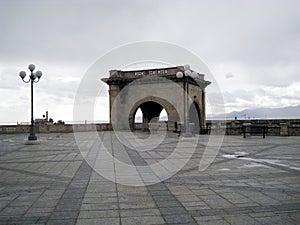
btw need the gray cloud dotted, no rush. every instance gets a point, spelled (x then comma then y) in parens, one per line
(229, 75)
(256, 41)
(252, 32)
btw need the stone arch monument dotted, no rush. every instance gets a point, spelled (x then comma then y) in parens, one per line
(153, 90)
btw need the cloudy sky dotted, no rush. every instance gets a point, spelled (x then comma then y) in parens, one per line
(251, 47)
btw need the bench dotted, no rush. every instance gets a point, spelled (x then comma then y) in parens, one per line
(254, 129)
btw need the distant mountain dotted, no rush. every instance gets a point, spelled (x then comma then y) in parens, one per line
(290, 112)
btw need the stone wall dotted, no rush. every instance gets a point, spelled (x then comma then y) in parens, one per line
(54, 128)
(276, 127)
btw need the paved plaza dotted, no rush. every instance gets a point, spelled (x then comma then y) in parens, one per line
(251, 181)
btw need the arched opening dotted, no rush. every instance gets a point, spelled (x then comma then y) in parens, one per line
(138, 118)
(163, 116)
(195, 117)
(154, 109)
(149, 112)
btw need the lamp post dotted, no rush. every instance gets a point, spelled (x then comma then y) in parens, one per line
(33, 78)
(186, 74)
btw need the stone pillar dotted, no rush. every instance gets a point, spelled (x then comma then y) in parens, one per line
(284, 131)
(203, 109)
(113, 93)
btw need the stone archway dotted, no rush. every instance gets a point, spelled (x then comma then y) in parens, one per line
(153, 90)
(151, 107)
(150, 113)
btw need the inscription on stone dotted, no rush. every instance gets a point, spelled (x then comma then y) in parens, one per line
(161, 72)
(151, 72)
(138, 73)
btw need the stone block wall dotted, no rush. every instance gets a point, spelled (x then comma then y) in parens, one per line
(276, 127)
(54, 128)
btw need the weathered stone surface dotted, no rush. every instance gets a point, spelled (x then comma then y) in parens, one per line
(153, 90)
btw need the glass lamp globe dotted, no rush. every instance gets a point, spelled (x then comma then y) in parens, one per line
(187, 67)
(188, 73)
(31, 67)
(22, 74)
(38, 74)
(179, 74)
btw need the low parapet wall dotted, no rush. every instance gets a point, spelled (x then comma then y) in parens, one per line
(54, 128)
(276, 127)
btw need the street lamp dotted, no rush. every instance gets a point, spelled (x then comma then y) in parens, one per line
(33, 78)
(186, 76)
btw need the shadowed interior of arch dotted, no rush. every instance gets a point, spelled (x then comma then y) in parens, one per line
(149, 112)
(195, 116)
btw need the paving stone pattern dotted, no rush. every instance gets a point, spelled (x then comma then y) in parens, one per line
(251, 181)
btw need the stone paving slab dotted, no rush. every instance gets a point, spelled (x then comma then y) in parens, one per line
(251, 181)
